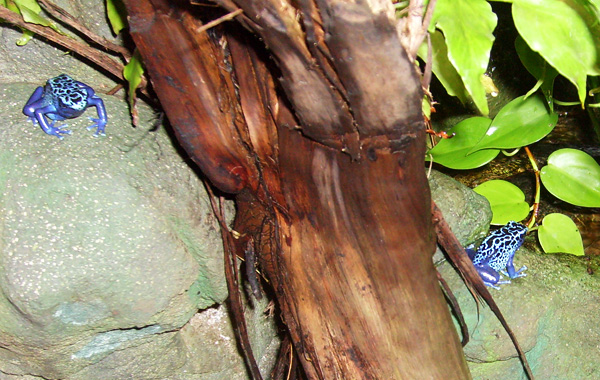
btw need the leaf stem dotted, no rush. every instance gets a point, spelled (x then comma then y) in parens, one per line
(561, 103)
(536, 203)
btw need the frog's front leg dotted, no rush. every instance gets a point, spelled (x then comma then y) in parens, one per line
(100, 122)
(511, 272)
(96, 101)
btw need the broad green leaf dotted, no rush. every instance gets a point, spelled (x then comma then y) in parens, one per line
(30, 15)
(558, 234)
(506, 200)
(32, 6)
(538, 67)
(564, 32)
(573, 176)
(467, 26)
(452, 152)
(30, 11)
(117, 15)
(442, 68)
(519, 123)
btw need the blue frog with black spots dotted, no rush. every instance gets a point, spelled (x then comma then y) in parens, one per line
(64, 98)
(496, 253)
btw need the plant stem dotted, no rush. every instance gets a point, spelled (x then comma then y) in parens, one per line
(536, 203)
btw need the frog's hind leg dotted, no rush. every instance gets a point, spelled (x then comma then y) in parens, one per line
(34, 102)
(497, 283)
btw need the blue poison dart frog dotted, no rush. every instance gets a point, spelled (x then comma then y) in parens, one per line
(64, 98)
(497, 252)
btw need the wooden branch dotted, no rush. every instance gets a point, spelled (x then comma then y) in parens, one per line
(464, 330)
(384, 91)
(71, 21)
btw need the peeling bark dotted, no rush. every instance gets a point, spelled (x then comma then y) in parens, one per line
(325, 153)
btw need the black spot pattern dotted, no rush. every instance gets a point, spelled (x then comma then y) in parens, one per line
(68, 92)
(497, 248)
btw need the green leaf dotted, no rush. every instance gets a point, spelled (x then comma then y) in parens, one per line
(30, 10)
(133, 72)
(573, 176)
(442, 67)
(426, 107)
(30, 5)
(519, 123)
(10, 5)
(538, 67)
(25, 37)
(469, 43)
(506, 200)
(559, 234)
(117, 15)
(564, 32)
(452, 152)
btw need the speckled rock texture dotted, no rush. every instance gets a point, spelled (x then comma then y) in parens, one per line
(553, 311)
(108, 250)
(111, 264)
(467, 213)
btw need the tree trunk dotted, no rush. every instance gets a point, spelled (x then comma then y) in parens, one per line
(328, 173)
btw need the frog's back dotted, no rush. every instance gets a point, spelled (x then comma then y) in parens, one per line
(500, 246)
(68, 98)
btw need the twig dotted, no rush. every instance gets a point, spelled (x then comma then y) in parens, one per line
(464, 330)
(110, 65)
(426, 81)
(231, 275)
(71, 21)
(220, 20)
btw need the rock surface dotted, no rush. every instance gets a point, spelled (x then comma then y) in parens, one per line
(108, 250)
(467, 213)
(553, 311)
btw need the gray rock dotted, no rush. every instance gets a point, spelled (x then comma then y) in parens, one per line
(108, 249)
(468, 214)
(552, 311)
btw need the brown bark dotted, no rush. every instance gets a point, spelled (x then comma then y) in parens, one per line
(329, 177)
